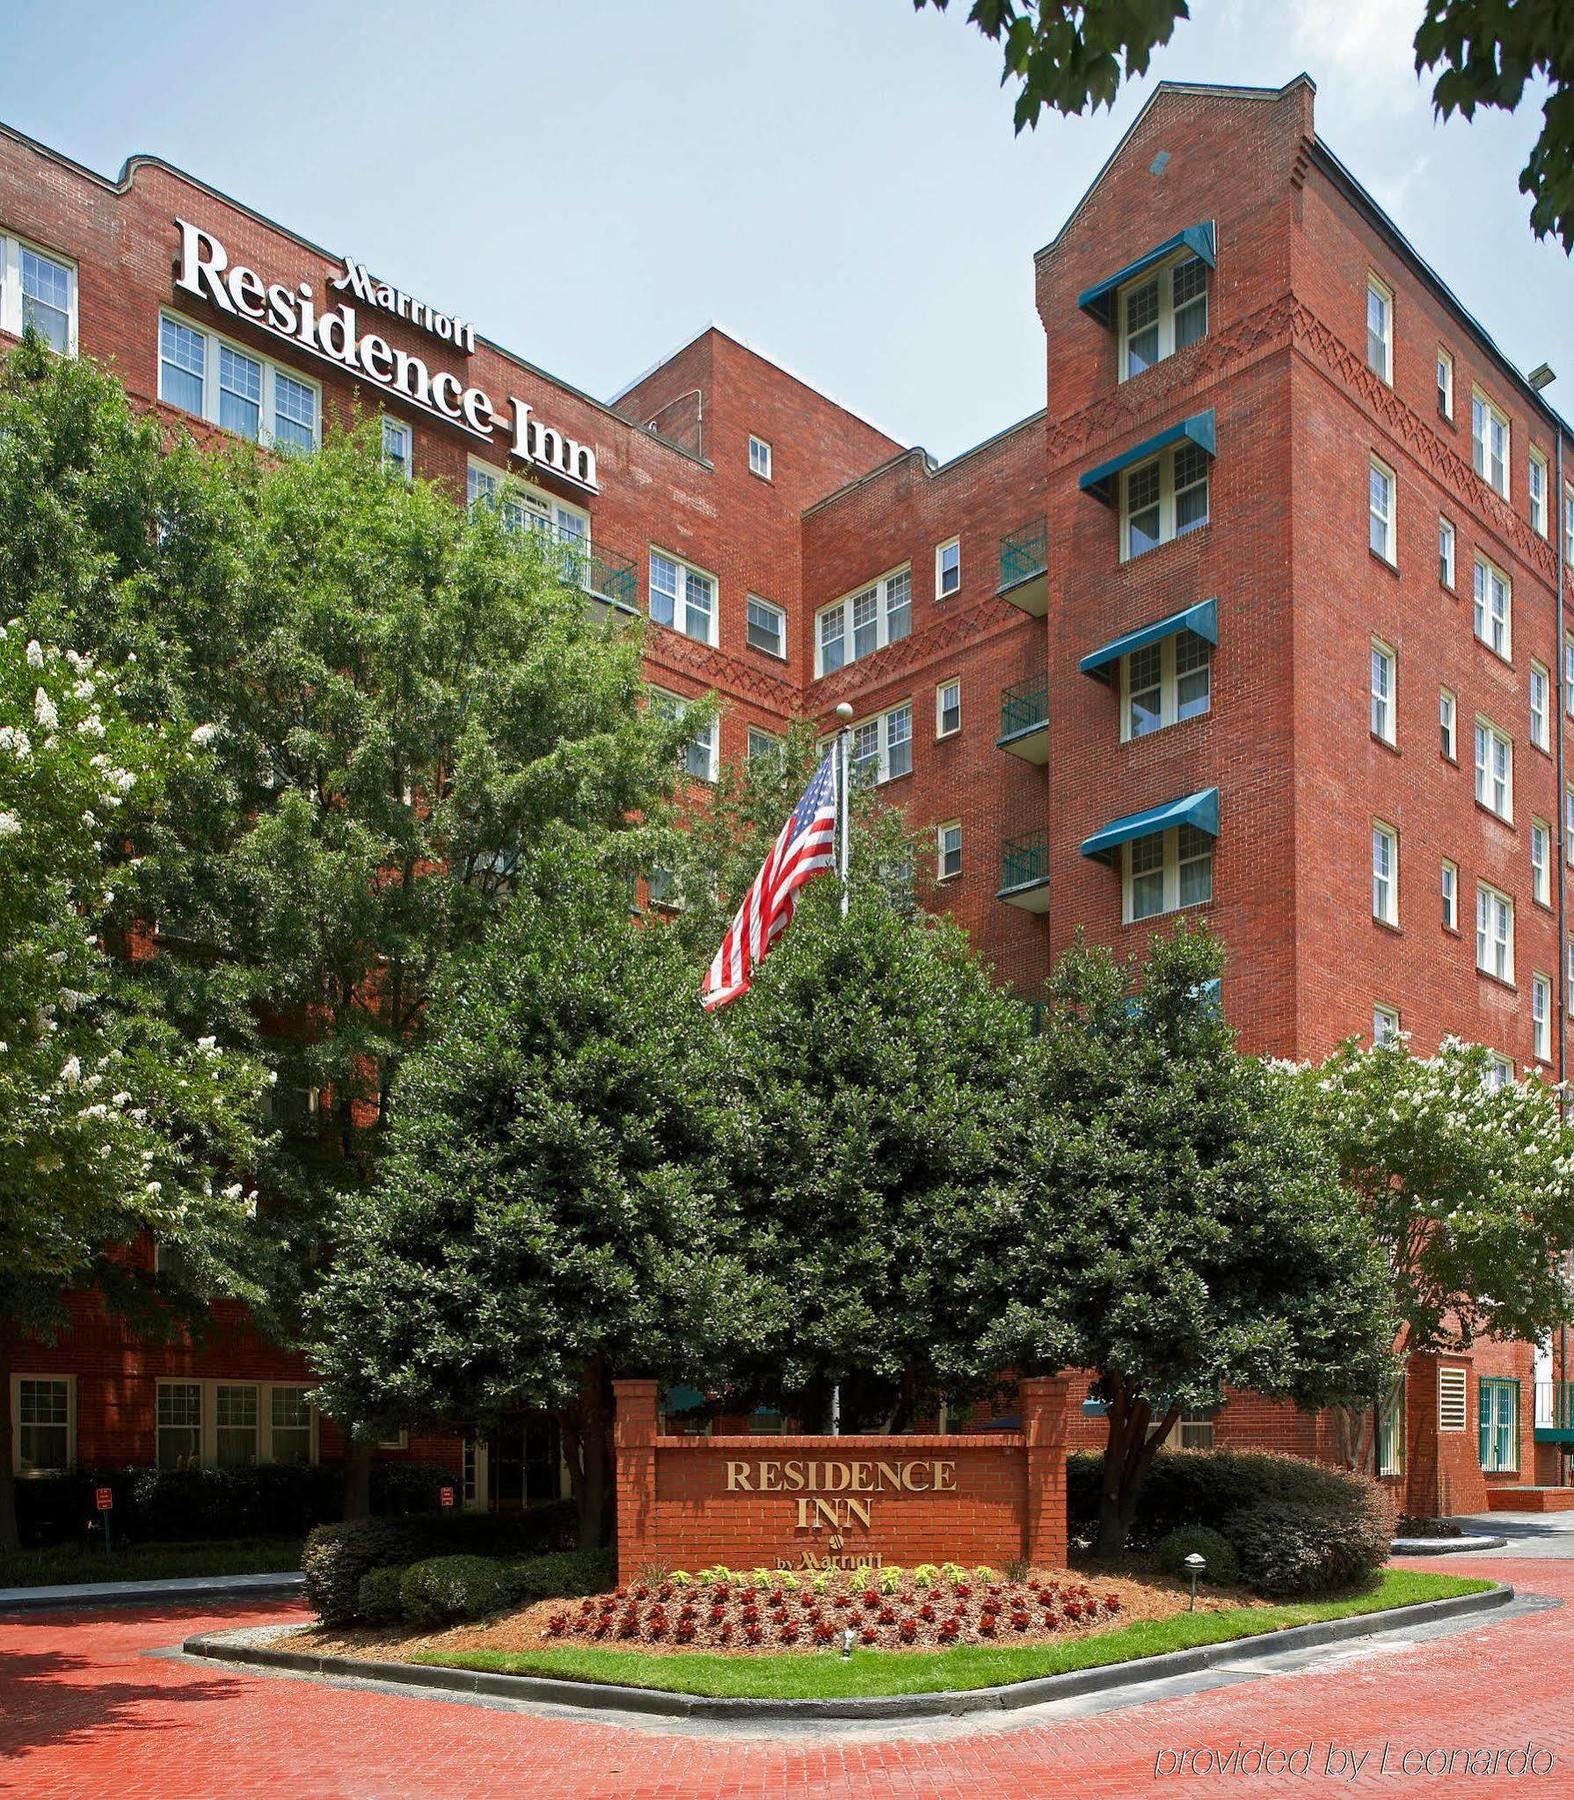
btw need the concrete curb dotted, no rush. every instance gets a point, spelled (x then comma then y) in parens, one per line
(1444, 1546)
(87, 1595)
(600, 1697)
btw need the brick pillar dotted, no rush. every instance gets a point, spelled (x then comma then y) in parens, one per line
(1045, 1403)
(1442, 1468)
(634, 1457)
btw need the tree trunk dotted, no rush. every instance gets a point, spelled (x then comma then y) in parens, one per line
(595, 1496)
(10, 1538)
(357, 1475)
(1129, 1450)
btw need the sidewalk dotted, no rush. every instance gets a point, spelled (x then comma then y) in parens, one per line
(89, 1594)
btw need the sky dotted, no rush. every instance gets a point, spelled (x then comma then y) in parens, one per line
(837, 182)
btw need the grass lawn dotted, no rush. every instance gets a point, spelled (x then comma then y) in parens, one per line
(823, 1675)
(148, 1562)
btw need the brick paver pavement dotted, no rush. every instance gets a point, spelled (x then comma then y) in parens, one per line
(87, 1714)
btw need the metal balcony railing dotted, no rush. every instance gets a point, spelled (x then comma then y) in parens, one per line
(1555, 1408)
(1024, 553)
(1024, 707)
(601, 573)
(1024, 861)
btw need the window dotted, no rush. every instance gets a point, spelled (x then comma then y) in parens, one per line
(1541, 1017)
(1489, 442)
(949, 847)
(1540, 706)
(38, 293)
(948, 568)
(1568, 673)
(1385, 1024)
(1166, 683)
(859, 624)
(289, 1426)
(882, 747)
(1383, 667)
(1163, 314)
(1568, 524)
(1536, 488)
(700, 756)
(766, 628)
(948, 708)
(1385, 874)
(1450, 889)
(1166, 871)
(1498, 1402)
(41, 1412)
(1541, 861)
(1380, 510)
(661, 889)
(1445, 553)
(235, 1425)
(1499, 1075)
(179, 1424)
(212, 379)
(1494, 770)
(1494, 599)
(1494, 933)
(762, 743)
(1391, 1433)
(1196, 1431)
(1445, 385)
(760, 458)
(1163, 498)
(1447, 714)
(1568, 823)
(482, 486)
(682, 598)
(398, 447)
(1380, 329)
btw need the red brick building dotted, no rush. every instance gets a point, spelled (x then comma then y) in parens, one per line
(1259, 616)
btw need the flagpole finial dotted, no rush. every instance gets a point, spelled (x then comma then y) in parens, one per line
(844, 712)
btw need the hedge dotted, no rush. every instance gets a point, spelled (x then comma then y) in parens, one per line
(378, 1600)
(1288, 1549)
(441, 1589)
(444, 1589)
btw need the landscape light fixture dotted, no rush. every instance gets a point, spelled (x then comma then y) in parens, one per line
(847, 1643)
(1195, 1566)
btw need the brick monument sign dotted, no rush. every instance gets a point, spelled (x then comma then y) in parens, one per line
(835, 1502)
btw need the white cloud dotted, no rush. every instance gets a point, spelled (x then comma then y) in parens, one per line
(1365, 45)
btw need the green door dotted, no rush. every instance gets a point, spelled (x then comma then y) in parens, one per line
(1499, 1417)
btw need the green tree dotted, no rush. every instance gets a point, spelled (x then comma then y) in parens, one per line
(113, 1125)
(1180, 1228)
(1072, 54)
(1467, 1186)
(551, 1212)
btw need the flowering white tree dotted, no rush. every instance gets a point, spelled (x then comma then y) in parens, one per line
(113, 1126)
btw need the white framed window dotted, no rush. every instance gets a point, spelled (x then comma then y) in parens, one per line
(399, 1441)
(661, 889)
(1385, 1024)
(882, 747)
(43, 1424)
(1568, 524)
(1445, 384)
(1167, 871)
(1494, 769)
(1500, 1073)
(292, 1425)
(236, 1425)
(1194, 1431)
(1163, 498)
(1380, 510)
(759, 458)
(948, 568)
(399, 447)
(38, 292)
(1385, 873)
(948, 850)
(1541, 861)
(211, 378)
(1541, 1017)
(1494, 933)
(1536, 491)
(179, 1425)
(1540, 705)
(1384, 676)
(1448, 724)
(766, 627)
(1450, 892)
(1445, 553)
(859, 624)
(762, 743)
(1162, 313)
(483, 485)
(1165, 683)
(1568, 823)
(1494, 599)
(682, 598)
(1489, 442)
(948, 708)
(1380, 328)
(701, 757)
(1568, 673)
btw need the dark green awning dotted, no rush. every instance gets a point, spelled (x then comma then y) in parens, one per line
(1098, 301)
(1201, 620)
(1200, 809)
(1199, 429)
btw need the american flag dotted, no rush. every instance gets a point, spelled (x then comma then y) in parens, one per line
(807, 845)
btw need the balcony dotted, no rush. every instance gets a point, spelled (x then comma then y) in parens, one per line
(609, 581)
(1555, 1412)
(1024, 721)
(1024, 872)
(1024, 568)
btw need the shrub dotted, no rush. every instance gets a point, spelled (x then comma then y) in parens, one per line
(563, 1573)
(336, 1557)
(444, 1589)
(378, 1598)
(1224, 1567)
(1287, 1548)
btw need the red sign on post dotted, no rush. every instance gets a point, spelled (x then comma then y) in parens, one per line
(445, 1496)
(104, 1499)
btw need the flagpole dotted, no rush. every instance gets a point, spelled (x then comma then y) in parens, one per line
(844, 841)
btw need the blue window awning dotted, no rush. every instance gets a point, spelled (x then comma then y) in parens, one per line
(1199, 429)
(1098, 301)
(1200, 809)
(1201, 620)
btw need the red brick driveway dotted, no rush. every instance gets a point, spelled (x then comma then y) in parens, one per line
(87, 1714)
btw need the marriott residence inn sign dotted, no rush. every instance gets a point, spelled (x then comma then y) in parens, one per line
(333, 332)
